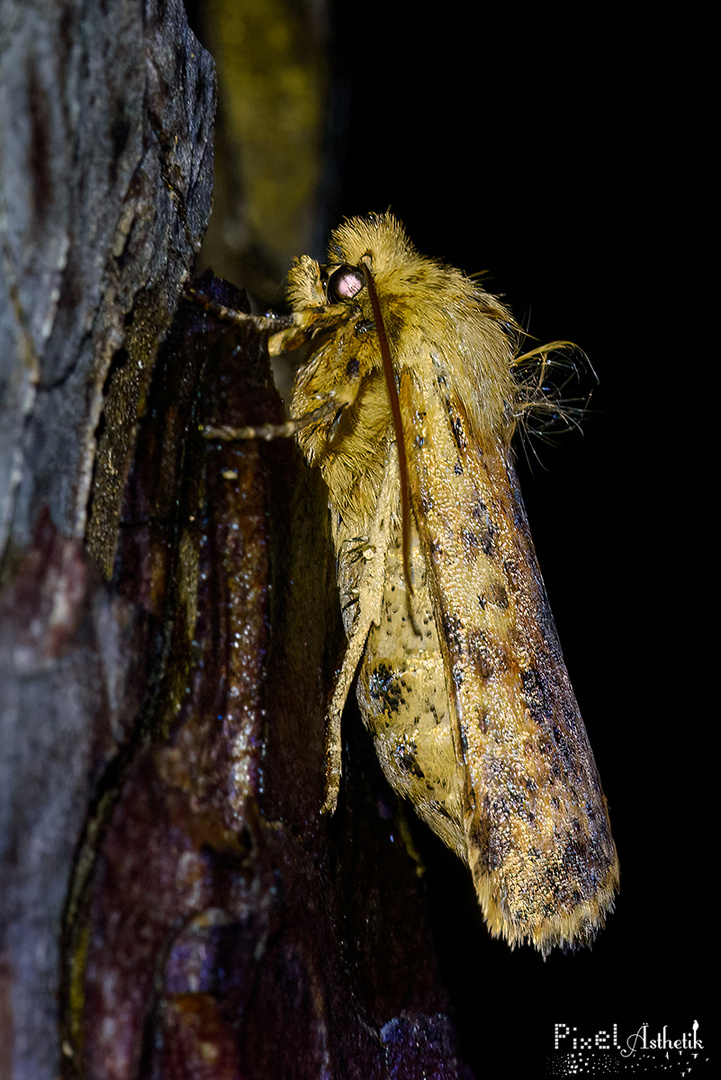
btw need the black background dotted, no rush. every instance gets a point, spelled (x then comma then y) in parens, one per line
(559, 151)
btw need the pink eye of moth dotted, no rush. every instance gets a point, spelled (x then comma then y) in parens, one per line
(407, 403)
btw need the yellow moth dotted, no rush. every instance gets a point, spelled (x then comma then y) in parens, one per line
(406, 401)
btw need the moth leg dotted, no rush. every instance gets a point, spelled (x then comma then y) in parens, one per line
(361, 578)
(233, 315)
(369, 593)
(271, 431)
(333, 742)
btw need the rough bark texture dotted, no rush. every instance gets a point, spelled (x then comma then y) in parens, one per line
(106, 178)
(171, 902)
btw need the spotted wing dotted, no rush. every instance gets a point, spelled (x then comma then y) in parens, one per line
(535, 818)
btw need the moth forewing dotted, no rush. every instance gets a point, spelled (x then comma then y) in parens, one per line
(535, 818)
(461, 679)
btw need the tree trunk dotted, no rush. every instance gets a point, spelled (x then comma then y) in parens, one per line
(106, 118)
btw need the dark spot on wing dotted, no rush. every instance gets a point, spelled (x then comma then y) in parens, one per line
(385, 688)
(487, 531)
(406, 756)
(500, 596)
(480, 655)
(536, 696)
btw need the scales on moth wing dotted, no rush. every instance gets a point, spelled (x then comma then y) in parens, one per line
(407, 403)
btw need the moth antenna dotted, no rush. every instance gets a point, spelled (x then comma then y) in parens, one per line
(270, 431)
(397, 421)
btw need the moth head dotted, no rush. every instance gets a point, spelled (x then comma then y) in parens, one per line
(376, 241)
(315, 287)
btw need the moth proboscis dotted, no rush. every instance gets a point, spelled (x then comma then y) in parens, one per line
(406, 401)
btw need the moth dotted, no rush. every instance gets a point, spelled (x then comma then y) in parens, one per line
(407, 400)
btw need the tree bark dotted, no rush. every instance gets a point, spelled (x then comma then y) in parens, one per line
(106, 179)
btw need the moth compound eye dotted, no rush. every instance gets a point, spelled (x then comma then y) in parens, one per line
(344, 283)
